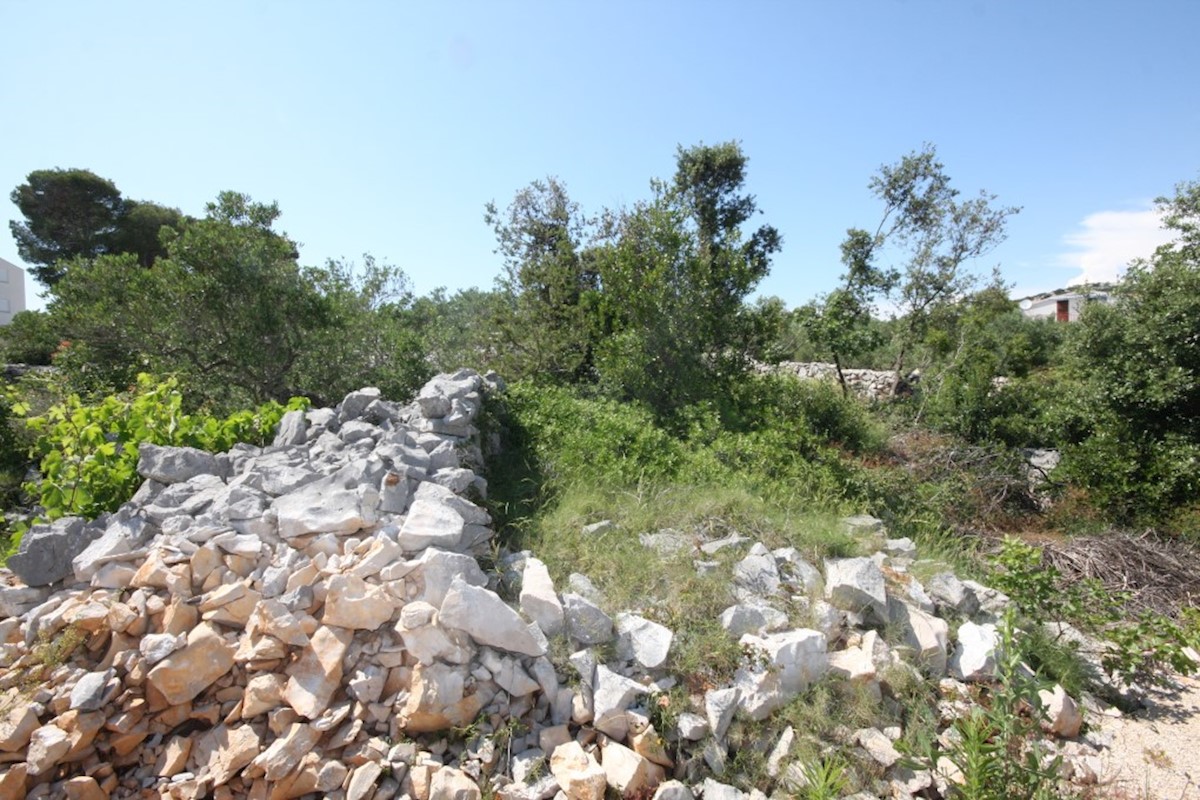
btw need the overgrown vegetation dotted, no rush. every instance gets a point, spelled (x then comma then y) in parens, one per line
(629, 340)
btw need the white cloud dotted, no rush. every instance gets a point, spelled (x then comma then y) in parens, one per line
(1107, 241)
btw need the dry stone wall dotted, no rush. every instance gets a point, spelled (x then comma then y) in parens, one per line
(874, 385)
(310, 619)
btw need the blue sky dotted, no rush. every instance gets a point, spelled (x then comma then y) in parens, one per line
(384, 127)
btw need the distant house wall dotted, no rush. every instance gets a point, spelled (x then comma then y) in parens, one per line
(1062, 307)
(12, 291)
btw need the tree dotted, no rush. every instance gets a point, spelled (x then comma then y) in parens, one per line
(228, 308)
(74, 213)
(368, 339)
(1137, 433)
(69, 213)
(139, 230)
(544, 320)
(841, 320)
(674, 274)
(937, 233)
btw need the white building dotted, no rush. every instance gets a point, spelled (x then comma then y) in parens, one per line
(12, 291)
(1063, 306)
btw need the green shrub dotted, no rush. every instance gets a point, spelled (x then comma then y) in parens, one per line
(88, 453)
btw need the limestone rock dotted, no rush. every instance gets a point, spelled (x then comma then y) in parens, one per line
(856, 584)
(790, 663)
(187, 672)
(47, 745)
(757, 574)
(353, 603)
(175, 464)
(481, 614)
(974, 658)
(431, 523)
(325, 506)
(878, 746)
(949, 592)
(18, 724)
(1063, 717)
(578, 774)
(586, 623)
(643, 641)
(611, 695)
(453, 784)
(313, 679)
(628, 772)
(46, 551)
(538, 599)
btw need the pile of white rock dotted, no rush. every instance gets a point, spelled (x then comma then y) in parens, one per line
(311, 619)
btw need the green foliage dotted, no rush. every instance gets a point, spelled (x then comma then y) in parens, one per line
(32, 337)
(825, 779)
(232, 314)
(1144, 648)
(939, 235)
(368, 337)
(674, 273)
(548, 289)
(841, 320)
(455, 330)
(73, 213)
(88, 453)
(68, 213)
(1136, 442)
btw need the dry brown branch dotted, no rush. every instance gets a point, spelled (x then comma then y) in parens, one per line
(1160, 574)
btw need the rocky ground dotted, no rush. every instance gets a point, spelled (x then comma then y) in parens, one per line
(312, 619)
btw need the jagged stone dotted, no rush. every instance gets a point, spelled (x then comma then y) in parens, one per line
(170, 465)
(18, 724)
(790, 662)
(325, 506)
(47, 745)
(948, 591)
(586, 623)
(223, 751)
(796, 571)
(453, 784)
(878, 746)
(437, 699)
(611, 695)
(123, 534)
(431, 523)
(353, 603)
(187, 672)
(719, 707)
(628, 772)
(1063, 718)
(856, 584)
(974, 657)
(643, 641)
(481, 614)
(47, 551)
(92, 690)
(757, 574)
(673, 790)
(693, 727)
(316, 676)
(538, 599)
(577, 772)
(926, 635)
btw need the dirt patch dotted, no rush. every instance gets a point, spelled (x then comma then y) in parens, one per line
(1155, 752)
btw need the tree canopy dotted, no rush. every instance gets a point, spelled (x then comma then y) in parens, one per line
(74, 213)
